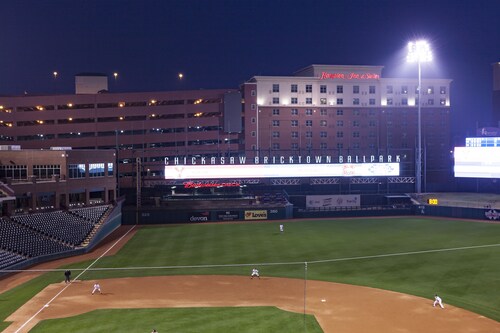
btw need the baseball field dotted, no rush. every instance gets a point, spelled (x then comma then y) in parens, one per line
(340, 275)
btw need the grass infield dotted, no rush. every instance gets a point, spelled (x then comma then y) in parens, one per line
(467, 278)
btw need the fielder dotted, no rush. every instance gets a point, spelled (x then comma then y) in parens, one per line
(282, 228)
(97, 287)
(438, 300)
(255, 272)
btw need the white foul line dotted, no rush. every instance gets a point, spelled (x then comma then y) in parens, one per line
(60, 292)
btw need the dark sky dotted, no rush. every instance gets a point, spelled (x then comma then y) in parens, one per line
(222, 43)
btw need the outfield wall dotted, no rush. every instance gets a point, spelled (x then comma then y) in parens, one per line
(457, 212)
(152, 215)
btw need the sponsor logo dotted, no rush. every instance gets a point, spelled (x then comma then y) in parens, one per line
(492, 214)
(199, 217)
(255, 214)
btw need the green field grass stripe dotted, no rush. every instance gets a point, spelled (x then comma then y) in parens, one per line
(404, 253)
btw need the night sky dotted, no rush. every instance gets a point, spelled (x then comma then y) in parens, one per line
(222, 43)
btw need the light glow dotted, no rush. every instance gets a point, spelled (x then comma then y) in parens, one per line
(419, 51)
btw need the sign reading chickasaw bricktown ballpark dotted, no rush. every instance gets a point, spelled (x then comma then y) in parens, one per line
(281, 167)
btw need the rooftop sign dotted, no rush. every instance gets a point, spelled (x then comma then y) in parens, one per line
(349, 76)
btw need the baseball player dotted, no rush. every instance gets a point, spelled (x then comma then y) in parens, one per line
(438, 300)
(255, 272)
(97, 287)
(282, 228)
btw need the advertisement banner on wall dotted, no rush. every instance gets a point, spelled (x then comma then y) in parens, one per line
(255, 214)
(228, 215)
(333, 201)
(199, 217)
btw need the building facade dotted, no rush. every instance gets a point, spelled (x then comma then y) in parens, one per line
(321, 110)
(350, 111)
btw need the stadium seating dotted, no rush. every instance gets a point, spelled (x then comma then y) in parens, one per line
(24, 241)
(9, 258)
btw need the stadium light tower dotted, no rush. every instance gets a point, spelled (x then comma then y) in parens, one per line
(419, 52)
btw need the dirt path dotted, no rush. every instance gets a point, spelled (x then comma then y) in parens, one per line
(338, 308)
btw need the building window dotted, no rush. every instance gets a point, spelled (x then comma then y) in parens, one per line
(276, 146)
(294, 112)
(430, 101)
(442, 90)
(355, 134)
(322, 123)
(46, 171)
(389, 89)
(276, 100)
(309, 112)
(355, 89)
(323, 134)
(340, 134)
(294, 146)
(294, 100)
(371, 89)
(371, 112)
(372, 123)
(309, 100)
(389, 101)
(404, 101)
(253, 134)
(293, 88)
(309, 123)
(404, 90)
(276, 112)
(322, 101)
(355, 112)
(322, 89)
(340, 101)
(355, 101)
(340, 123)
(252, 120)
(295, 123)
(76, 171)
(276, 134)
(309, 88)
(253, 92)
(253, 107)
(340, 89)
(309, 134)
(276, 123)
(442, 101)
(355, 145)
(295, 135)
(276, 88)
(323, 112)
(309, 146)
(96, 170)
(340, 145)
(340, 112)
(110, 169)
(430, 90)
(323, 145)
(355, 123)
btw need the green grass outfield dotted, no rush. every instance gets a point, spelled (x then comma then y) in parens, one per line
(468, 278)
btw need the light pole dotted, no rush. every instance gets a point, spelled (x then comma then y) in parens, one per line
(257, 129)
(419, 52)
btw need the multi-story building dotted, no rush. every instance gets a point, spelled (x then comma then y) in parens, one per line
(353, 111)
(145, 127)
(321, 110)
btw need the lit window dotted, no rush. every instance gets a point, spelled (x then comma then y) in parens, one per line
(322, 123)
(309, 112)
(404, 90)
(295, 123)
(322, 101)
(276, 123)
(355, 101)
(389, 101)
(309, 123)
(430, 90)
(295, 135)
(442, 90)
